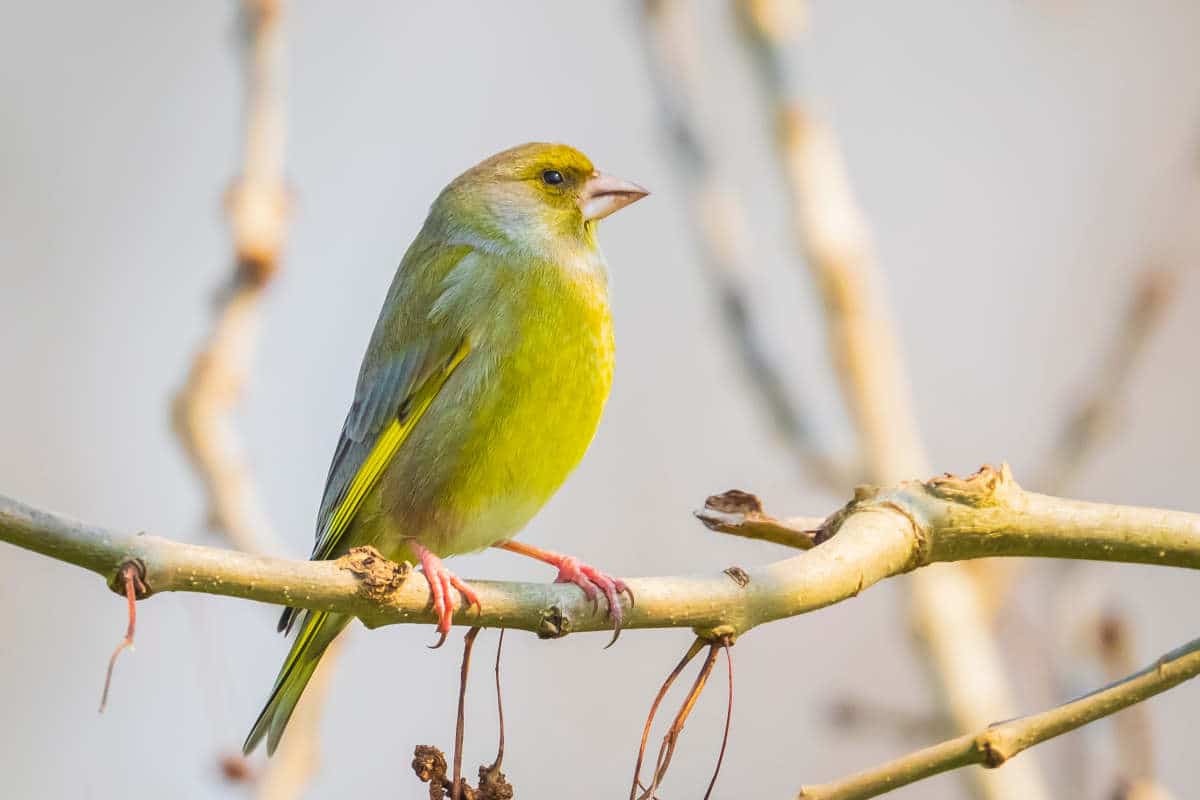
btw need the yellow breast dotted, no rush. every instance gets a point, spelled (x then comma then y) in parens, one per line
(539, 411)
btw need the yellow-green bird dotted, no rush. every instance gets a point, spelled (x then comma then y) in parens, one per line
(480, 390)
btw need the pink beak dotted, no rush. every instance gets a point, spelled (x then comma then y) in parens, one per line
(604, 194)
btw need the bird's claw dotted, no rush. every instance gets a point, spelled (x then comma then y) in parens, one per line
(441, 583)
(593, 583)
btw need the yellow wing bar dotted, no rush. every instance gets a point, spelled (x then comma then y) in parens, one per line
(387, 445)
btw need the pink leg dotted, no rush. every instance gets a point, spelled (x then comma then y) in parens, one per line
(592, 581)
(441, 581)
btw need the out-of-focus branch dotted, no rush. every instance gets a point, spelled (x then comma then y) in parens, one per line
(880, 534)
(258, 206)
(998, 743)
(948, 604)
(717, 221)
(1091, 422)
(832, 235)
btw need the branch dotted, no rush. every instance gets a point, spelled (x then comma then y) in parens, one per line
(879, 534)
(999, 743)
(257, 207)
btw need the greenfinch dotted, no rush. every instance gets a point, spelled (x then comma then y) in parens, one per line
(480, 390)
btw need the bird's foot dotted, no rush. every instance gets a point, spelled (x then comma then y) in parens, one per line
(592, 581)
(441, 581)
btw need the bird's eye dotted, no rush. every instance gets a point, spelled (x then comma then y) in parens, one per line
(552, 177)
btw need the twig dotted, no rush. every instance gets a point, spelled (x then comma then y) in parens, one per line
(667, 749)
(880, 534)
(499, 707)
(998, 743)
(741, 514)
(460, 723)
(716, 219)
(130, 582)
(691, 653)
(728, 719)
(948, 605)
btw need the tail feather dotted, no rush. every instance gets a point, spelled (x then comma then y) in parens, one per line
(287, 620)
(319, 630)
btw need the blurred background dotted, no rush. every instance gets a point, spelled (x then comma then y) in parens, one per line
(1020, 165)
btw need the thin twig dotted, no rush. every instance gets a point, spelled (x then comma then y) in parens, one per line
(131, 583)
(460, 724)
(741, 514)
(997, 744)
(667, 749)
(728, 719)
(499, 707)
(691, 653)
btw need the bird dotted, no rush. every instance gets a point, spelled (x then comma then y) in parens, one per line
(481, 388)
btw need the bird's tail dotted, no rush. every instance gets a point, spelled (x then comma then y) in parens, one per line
(319, 630)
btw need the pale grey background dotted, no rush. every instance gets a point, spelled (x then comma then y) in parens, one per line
(1018, 162)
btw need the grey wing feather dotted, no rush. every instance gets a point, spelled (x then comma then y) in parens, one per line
(377, 400)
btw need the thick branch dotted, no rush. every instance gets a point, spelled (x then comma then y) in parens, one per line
(881, 533)
(999, 743)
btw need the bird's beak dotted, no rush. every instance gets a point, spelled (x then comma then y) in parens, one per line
(604, 194)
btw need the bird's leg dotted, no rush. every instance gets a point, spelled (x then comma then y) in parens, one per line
(592, 581)
(441, 581)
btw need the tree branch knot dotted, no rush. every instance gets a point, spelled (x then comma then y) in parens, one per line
(553, 623)
(988, 486)
(130, 568)
(992, 751)
(377, 576)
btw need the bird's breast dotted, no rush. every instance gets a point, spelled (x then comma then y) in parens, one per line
(531, 405)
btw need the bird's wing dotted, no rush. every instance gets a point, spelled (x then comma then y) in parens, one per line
(411, 356)
(387, 406)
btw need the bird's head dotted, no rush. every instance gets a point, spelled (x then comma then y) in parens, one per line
(537, 197)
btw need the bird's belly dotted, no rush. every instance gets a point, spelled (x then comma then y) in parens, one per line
(520, 423)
